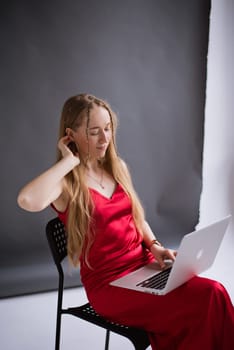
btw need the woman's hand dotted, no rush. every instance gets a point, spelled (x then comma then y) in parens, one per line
(160, 253)
(63, 146)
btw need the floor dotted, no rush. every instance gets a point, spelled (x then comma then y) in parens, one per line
(28, 322)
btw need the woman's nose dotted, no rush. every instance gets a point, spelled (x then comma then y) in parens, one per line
(102, 137)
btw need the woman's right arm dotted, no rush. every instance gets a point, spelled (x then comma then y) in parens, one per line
(48, 187)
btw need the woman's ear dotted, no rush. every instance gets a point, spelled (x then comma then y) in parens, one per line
(69, 132)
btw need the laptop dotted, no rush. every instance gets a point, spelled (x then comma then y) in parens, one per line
(196, 253)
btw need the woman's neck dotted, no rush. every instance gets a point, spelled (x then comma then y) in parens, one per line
(93, 166)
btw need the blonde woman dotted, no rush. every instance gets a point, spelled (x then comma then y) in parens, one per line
(91, 190)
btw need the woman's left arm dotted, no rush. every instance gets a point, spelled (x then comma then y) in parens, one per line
(156, 248)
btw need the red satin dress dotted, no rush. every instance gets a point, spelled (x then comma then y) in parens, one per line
(197, 315)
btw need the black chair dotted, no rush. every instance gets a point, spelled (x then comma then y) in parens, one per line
(56, 236)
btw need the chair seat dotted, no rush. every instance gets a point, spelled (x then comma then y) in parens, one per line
(86, 312)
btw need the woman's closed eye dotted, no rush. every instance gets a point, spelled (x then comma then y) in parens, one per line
(93, 132)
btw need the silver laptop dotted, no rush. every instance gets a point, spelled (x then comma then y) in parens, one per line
(196, 253)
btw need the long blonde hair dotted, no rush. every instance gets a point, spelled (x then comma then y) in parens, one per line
(80, 236)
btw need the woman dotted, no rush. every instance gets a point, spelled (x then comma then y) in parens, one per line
(91, 190)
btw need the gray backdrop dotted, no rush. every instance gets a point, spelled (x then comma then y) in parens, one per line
(148, 59)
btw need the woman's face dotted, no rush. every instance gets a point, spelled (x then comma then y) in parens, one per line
(92, 140)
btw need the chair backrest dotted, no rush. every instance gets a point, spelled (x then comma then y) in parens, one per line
(57, 238)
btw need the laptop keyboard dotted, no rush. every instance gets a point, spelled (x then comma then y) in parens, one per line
(157, 281)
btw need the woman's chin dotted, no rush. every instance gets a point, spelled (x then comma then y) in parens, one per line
(101, 156)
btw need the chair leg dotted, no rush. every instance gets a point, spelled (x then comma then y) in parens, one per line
(107, 339)
(58, 329)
